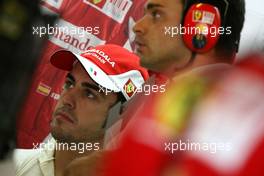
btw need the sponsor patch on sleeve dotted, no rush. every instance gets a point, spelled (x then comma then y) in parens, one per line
(115, 9)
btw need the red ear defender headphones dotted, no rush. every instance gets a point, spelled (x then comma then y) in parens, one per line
(201, 24)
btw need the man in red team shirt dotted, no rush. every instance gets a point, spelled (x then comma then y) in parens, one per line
(80, 25)
(96, 80)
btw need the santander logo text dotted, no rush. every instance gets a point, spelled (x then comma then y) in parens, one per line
(77, 42)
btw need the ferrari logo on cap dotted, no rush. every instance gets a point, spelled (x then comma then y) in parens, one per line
(96, 1)
(197, 15)
(129, 88)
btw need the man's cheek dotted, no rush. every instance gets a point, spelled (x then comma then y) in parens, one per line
(87, 122)
(56, 106)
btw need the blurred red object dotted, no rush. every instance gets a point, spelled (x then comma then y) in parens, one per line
(230, 112)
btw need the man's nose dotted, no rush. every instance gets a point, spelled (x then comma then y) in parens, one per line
(140, 27)
(69, 98)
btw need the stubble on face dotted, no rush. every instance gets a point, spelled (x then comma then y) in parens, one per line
(81, 111)
(158, 50)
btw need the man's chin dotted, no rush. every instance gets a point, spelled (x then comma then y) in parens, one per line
(60, 135)
(145, 62)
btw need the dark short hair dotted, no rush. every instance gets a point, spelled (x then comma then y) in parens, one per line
(227, 45)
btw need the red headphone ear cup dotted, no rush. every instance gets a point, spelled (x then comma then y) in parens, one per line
(201, 27)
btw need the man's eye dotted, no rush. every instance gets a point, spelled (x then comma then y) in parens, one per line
(89, 94)
(67, 85)
(155, 14)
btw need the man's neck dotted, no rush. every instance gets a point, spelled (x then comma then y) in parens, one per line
(200, 60)
(64, 157)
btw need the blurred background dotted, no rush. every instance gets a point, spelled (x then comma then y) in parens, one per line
(19, 56)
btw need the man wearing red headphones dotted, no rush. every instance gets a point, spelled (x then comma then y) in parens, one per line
(176, 36)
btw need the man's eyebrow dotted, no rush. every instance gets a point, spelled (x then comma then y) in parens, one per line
(150, 6)
(70, 76)
(94, 87)
(91, 86)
